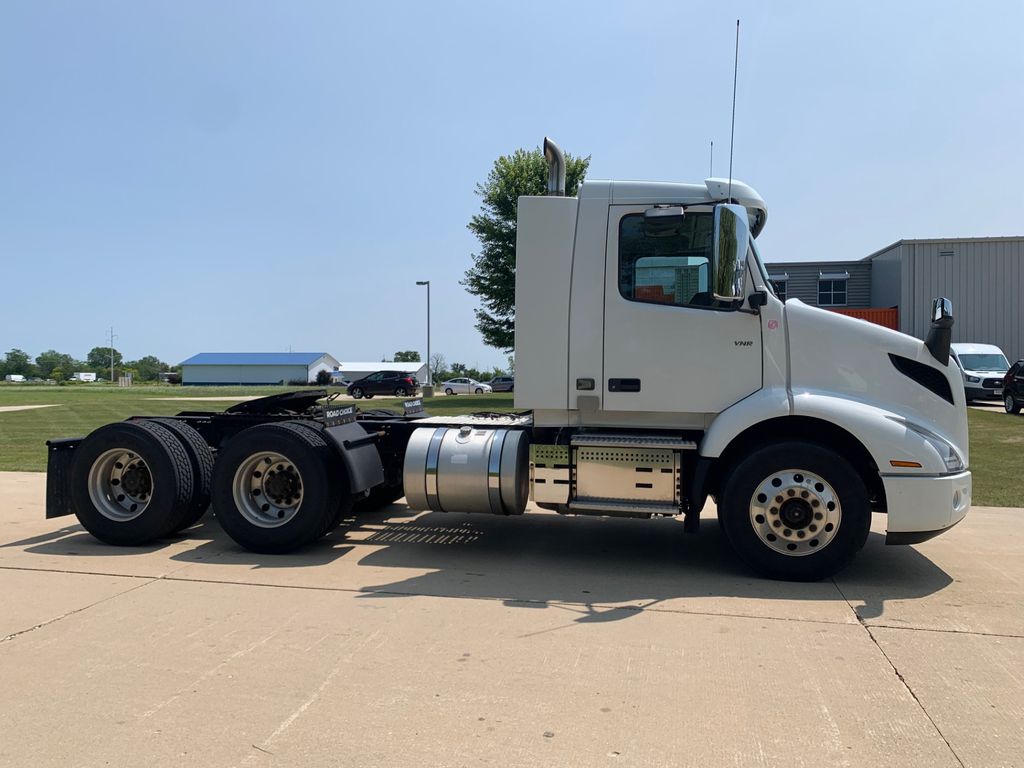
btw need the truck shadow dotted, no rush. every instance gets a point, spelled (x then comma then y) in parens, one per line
(599, 569)
(607, 569)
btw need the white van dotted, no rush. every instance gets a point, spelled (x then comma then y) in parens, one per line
(16, 378)
(982, 366)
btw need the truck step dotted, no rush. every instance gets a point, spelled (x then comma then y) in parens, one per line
(621, 508)
(635, 441)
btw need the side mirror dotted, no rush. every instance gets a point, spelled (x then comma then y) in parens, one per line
(729, 255)
(941, 331)
(663, 221)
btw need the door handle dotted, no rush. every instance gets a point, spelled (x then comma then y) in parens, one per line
(623, 385)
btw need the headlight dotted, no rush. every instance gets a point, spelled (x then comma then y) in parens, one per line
(973, 379)
(948, 454)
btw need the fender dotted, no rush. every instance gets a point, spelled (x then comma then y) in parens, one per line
(358, 450)
(767, 403)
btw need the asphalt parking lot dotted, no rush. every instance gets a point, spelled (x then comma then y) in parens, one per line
(451, 640)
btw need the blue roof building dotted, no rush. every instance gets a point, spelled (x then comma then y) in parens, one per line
(248, 368)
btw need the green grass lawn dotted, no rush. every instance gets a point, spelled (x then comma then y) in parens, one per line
(997, 439)
(83, 407)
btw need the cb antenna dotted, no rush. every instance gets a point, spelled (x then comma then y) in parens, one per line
(732, 129)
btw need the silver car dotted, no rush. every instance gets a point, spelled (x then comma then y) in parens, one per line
(464, 386)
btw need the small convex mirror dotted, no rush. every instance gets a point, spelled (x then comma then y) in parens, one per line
(663, 221)
(729, 257)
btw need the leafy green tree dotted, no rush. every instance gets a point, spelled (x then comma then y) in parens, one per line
(17, 361)
(493, 274)
(47, 361)
(407, 356)
(98, 359)
(146, 368)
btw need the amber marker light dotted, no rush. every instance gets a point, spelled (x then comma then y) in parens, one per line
(911, 464)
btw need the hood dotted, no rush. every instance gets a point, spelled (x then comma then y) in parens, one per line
(837, 354)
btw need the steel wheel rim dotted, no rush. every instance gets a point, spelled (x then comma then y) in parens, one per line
(795, 512)
(120, 485)
(267, 489)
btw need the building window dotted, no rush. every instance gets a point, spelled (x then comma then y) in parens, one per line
(832, 290)
(670, 269)
(780, 284)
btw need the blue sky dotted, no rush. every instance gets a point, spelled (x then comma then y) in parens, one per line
(253, 176)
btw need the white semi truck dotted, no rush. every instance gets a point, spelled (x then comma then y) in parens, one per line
(655, 368)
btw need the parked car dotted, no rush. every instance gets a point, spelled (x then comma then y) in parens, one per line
(982, 367)
(464, 386)
(394, 383)
(1013, 388)
(503, 383)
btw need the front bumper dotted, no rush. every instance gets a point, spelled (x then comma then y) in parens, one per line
(983, 393)
(922, 507)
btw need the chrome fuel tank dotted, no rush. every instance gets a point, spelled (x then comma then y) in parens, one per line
(468, 469)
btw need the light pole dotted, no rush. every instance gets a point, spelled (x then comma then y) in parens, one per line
(112, 337)
(430, 381)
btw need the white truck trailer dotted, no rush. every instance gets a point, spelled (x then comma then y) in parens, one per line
(654, 367)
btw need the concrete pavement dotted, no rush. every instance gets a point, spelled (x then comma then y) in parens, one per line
(450, 640)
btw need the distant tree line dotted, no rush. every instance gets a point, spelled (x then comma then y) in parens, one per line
(60, 366)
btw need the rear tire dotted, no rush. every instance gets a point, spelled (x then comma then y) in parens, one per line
(277, 487)
(200, 456)
(401, 392)
(131, 483)
(448, 391)
(819, 525)
(1011, 405)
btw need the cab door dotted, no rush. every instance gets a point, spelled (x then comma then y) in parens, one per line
(669, 346)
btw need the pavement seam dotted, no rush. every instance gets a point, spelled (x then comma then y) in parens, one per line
(72, 613)
(900, 677)
(944, 631)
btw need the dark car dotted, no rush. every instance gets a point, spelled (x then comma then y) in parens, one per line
(395, 383)
(503, 384)
(1013, 388)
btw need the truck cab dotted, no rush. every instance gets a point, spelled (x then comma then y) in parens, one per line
(644, 310)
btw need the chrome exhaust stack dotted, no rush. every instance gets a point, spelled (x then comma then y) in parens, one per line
(556, 168)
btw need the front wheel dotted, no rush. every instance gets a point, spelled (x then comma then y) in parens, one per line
(1011, 405)
(479, 391)
(357, 393)
(795, 511)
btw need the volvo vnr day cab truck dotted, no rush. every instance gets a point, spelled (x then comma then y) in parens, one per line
(654, 367)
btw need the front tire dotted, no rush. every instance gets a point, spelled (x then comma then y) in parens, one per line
(479, 391)
(1011, 405)
(277, 487)
(795, 510)
(357, 393)
(131, 483)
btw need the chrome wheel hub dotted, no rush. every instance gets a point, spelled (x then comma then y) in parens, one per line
(267, 489)
(120, 485)
(795, 512)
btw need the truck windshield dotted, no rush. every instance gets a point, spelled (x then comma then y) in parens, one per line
(984, 363)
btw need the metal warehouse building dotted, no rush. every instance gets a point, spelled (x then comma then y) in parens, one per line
(222, 368)
(982, 276)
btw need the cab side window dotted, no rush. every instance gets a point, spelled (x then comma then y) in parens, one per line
(670, 269)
